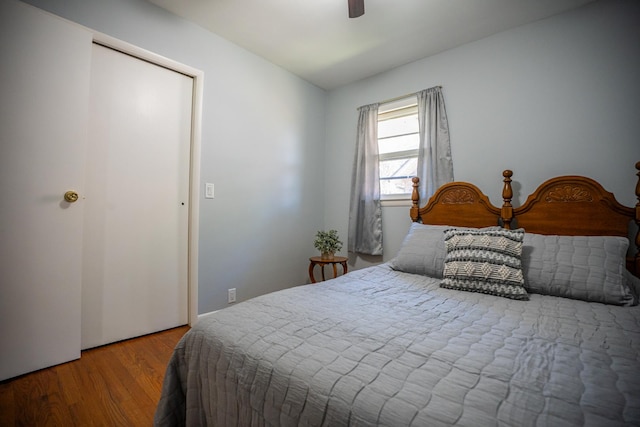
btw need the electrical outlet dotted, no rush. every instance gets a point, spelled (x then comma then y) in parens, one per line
(232, 295)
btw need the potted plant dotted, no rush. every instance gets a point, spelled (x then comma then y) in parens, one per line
(328, 243)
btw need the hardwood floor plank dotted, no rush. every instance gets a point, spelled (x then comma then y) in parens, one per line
(68, 384)
(144, 377)
(127, 392)
(58, 408)
(7, 406)
(31, 401)
(116, 384)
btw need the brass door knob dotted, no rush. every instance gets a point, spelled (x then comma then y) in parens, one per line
(71, 196)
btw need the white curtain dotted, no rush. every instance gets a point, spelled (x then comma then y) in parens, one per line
(435, 166)
(365, 211)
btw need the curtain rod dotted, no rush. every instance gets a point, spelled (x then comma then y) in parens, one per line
(397, 98)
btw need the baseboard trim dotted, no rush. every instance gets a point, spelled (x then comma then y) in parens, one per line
(202, 316)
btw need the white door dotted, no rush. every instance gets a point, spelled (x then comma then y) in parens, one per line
(137, 199)
(44, 95)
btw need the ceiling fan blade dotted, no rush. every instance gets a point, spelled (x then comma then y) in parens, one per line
(356, 8)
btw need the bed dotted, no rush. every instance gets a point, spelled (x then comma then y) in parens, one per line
(514, 316)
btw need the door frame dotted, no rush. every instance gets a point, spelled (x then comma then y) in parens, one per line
(194, 165)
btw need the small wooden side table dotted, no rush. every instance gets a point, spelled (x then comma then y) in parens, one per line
(316, 260)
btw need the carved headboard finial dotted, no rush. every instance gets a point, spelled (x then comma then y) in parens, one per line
(415, 200)
(638, 185)
(637, 220)
(507, 194)
(415, 195)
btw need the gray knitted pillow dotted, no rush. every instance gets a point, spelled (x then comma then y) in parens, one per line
(486, 261)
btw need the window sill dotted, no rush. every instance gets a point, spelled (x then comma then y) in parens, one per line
(396, 203)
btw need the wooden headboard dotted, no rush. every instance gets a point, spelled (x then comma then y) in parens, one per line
(576, 206)
(566, 205)
(459, 204)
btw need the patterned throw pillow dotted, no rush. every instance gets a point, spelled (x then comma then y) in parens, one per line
(487, 261)
(423, 250)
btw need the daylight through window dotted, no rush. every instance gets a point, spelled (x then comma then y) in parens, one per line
(398, 141)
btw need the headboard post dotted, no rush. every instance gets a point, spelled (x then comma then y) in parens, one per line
(637, 220)
(415, 200)
(506, 212)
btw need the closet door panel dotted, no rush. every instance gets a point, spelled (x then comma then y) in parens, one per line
(135, 278)
(44, 97)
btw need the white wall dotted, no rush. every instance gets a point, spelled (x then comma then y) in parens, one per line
(262, 147)
(559, 96)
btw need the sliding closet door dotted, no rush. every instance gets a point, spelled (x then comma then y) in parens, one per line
(44, 96)
(137, 199)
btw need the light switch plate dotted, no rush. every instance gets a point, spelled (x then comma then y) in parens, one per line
(208, 190)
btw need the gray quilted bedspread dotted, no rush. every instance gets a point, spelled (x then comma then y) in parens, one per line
(381, 347)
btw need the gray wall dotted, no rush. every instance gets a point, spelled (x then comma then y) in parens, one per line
(262, 147)
(559, 96)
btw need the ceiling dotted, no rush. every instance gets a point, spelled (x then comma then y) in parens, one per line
(316, 40)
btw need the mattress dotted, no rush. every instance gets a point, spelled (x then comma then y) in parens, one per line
(383, 347)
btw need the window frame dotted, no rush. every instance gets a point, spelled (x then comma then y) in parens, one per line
(402, 107)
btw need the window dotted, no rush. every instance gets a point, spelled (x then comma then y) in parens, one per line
(398, 141)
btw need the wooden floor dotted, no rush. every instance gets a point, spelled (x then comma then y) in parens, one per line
(114, 385)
